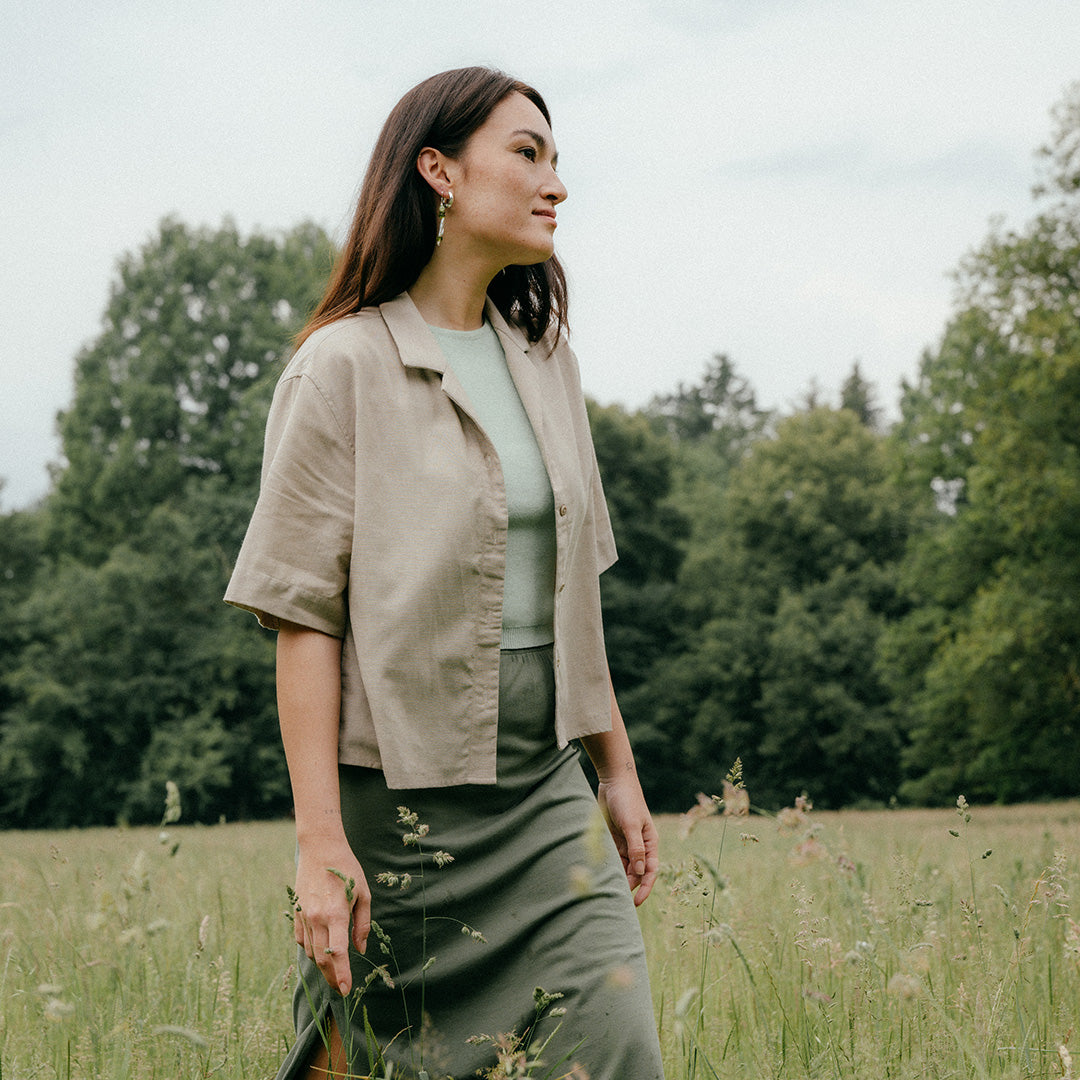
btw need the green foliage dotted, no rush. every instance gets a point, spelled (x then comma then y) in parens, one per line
(638, 469)
(128, 677)
(994, 701)
(857, 395)
(176, 385)
(851, 611)
(788, 584)
(714, 422)
(127, 669)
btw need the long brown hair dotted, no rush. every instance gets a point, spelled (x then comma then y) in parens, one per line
(392, 236)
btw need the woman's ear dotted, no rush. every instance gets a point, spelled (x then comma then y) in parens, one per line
(431, 164)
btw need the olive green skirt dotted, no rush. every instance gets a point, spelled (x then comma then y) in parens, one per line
(535, 873)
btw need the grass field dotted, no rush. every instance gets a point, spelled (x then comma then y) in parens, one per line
(848, 945)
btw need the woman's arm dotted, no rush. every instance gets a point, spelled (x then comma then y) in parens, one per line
(309, 705)
(623, 804)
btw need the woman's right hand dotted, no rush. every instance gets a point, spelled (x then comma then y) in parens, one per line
(325, 911)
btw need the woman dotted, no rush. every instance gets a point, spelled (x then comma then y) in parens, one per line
(428, 540)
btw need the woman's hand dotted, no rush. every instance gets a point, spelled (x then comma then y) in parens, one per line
(309, 707)
(623, 805)
(631, 827)
(327, 906)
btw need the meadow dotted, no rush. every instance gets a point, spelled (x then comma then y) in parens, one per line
(895, 943)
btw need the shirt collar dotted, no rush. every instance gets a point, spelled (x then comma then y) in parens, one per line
(417, 345)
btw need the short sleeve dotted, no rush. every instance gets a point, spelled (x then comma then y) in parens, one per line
(294, 562)
(606, 553)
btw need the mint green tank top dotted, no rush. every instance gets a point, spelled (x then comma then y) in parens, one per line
(477, 359)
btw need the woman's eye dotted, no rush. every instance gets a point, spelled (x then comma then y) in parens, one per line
(529, 152)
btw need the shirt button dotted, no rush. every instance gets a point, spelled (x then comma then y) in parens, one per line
(562, 511)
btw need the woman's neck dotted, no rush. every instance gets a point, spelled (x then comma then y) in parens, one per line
(450, 293)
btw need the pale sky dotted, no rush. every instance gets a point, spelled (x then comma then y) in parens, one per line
(787, 181)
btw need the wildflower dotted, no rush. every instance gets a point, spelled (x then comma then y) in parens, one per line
(138, 876)
(186, 1033)
(808, 850)
(736, 800)
(348, 882)
(382, 937)
(381, 972)
(720, 932)
(1052, 889)
(442, 858)
(797, 816)
(57, 1010)
(1072, 940)
(918, 960)
(904, 986)
(686, 999)
(542, 998)
(704, 807)
(172, 804)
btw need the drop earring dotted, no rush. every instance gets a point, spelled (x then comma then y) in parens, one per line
(445, 202)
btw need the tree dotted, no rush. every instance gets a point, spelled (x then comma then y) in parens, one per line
(128, 670)
(858, 395)
(994, 421)
(21, 552)
(176, 386)
(720, 412)
(127, 677)
(787, 590)
(637, 467)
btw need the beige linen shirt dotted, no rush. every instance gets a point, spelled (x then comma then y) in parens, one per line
(382, 520)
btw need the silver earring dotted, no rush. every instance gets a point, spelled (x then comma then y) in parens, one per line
(445, 202)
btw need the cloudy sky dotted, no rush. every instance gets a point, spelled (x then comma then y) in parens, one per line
(786, 181)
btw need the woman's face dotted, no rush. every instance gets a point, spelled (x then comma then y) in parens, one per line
(506, 188)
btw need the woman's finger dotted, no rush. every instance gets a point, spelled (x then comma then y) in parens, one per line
(361, 921)
(337, 971)
(307, 938)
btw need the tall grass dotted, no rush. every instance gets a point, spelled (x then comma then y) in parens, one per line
(119, 960)
(888, 944)
(870, 944)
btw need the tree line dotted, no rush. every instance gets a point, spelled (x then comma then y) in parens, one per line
(866, 612)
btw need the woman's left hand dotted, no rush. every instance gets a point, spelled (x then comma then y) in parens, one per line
(623, 806)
